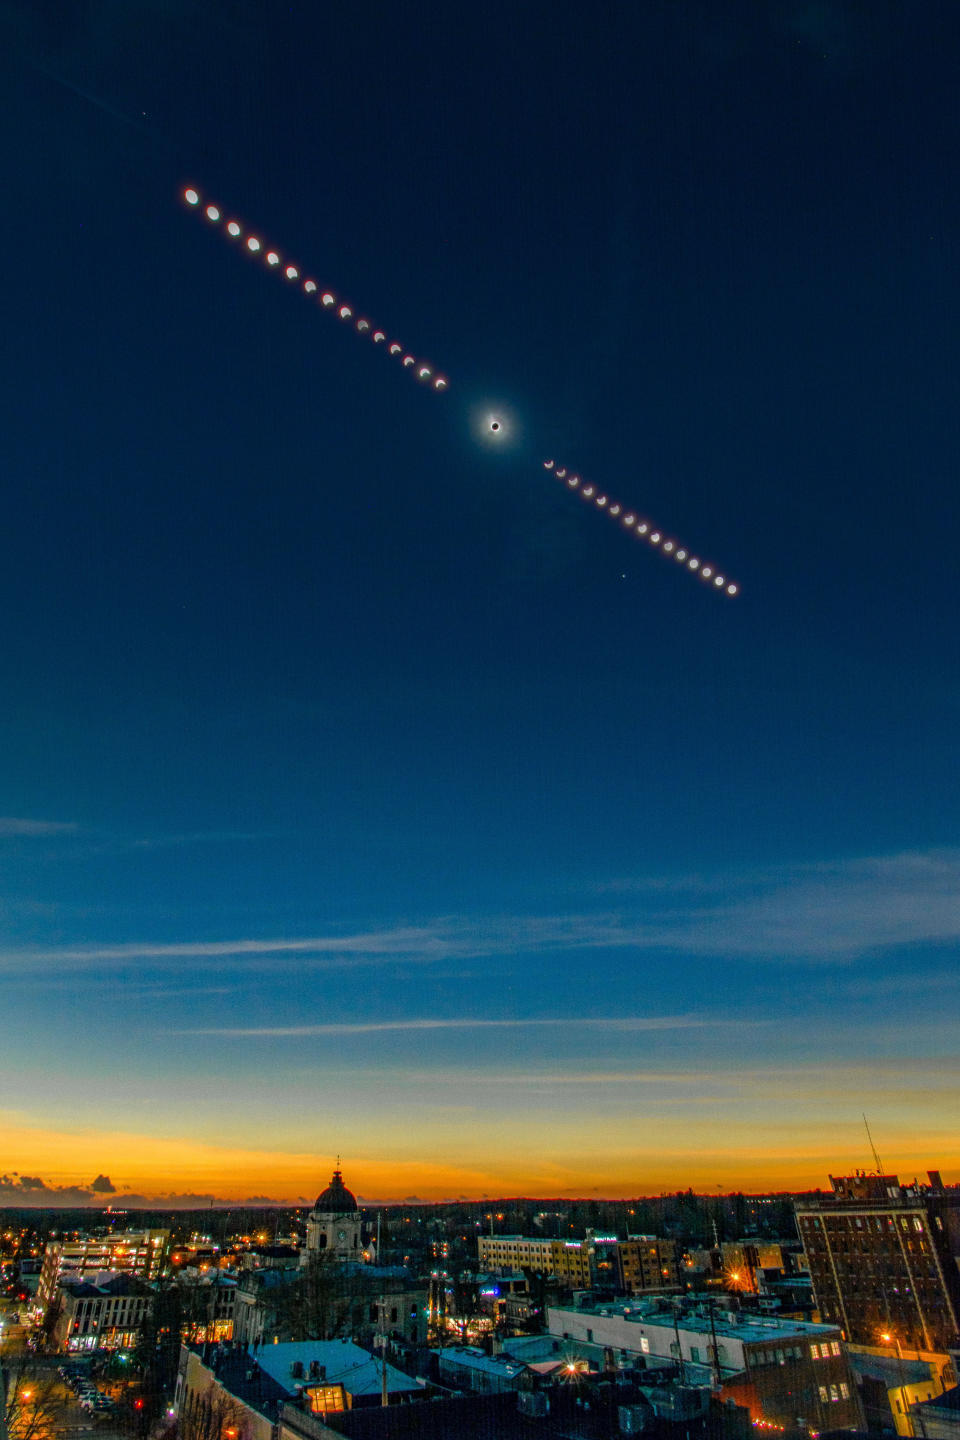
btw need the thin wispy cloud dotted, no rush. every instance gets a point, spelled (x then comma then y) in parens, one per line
(830, 909)
(202, 837)
(889, 1075)
(835, 911)
(12, 826)
(618, 1023)
(372, 945)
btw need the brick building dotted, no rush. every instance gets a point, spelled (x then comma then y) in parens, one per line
(883, 1259)
(783, 1371)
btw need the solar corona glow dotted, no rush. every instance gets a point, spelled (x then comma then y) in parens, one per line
(492, 427)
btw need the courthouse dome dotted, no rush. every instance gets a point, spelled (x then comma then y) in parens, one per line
(336, 1199)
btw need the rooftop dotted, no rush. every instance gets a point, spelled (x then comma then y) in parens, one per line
(750, 1328)
(346, 1364)
(891, 1370)
(265, 1378)
(116, 1285)
(949, 1400)
(336, 1199)
(474, 1359)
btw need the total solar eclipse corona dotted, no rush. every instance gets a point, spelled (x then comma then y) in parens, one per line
(492, 427)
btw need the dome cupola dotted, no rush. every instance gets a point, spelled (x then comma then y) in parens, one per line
(336, 1199)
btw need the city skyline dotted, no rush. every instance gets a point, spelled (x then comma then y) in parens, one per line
(362, 790)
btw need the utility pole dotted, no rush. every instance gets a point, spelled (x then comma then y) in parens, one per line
(676, 1331)
(713, 1336)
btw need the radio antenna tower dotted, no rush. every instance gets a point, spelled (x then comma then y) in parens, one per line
(872, 1146)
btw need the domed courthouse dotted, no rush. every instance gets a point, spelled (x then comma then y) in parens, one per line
(334, 1226)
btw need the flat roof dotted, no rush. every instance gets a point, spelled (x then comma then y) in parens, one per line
(346, 1364)
(754, 1329)
(479, 1360)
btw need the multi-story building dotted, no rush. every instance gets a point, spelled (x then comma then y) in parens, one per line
(646, 1263)
(516, 1252)
(783, 1371)
(359, 1300)
(883, 1259)
(101, 1317)
(241, 1394)
(133, 1252)
(335, 1225)
(640, 1263)
(208, 1302)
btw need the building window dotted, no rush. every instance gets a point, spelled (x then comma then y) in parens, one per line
(844, 1390)
(823, 1393)
(835, 1347)
(815, 1352)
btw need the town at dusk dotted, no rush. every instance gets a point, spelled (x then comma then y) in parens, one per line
(479, 819)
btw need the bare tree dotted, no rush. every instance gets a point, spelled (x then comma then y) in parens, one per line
(198, 1308)
(326, 1300)
(213, 1415)
(35, 1404)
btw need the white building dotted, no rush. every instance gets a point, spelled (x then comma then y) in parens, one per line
(780, 1369)
(334, 1224)
(101, 1317)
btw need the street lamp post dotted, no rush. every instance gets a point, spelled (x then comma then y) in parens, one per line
(908, 1416)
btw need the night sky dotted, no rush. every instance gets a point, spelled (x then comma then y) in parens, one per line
(363, 791)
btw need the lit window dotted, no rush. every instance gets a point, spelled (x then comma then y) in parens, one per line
(823, 1393)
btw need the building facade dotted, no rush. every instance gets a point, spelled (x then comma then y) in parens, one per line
(134, 1252)
(883, 1259)
(641, 1263)
(783, 1371)
(101, 1317)
(646, 1263)
(334, 1225)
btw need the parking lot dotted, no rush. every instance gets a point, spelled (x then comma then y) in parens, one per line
(70, 1403)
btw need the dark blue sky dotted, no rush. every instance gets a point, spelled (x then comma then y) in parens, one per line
(379, 725)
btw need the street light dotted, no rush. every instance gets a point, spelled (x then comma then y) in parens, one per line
(908, 1418)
